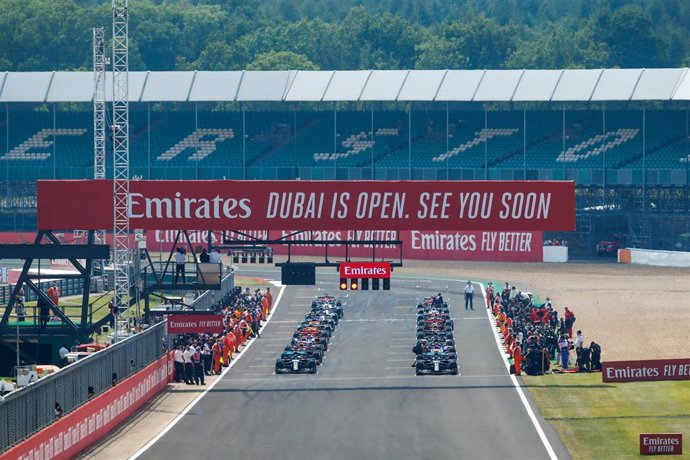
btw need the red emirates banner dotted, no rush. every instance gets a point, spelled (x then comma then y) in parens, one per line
(195, 324)
(365, 270)
(661, 444)
(328, 205)
(645, 371)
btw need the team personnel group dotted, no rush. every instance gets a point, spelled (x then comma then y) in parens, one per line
(533, 335)
(201, 355)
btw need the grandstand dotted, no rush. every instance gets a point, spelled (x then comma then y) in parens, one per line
(621, 134)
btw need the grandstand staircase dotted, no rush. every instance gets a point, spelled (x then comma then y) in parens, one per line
(584, 231)
(283, 141)
(391, 150)
(640, 234)
(519, 151)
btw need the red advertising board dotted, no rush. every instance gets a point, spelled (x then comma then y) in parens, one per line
(645, 371)
(79, 429)
(417, 245)
(661, 444)
(330, 205)
(365, 270)
(194, 324)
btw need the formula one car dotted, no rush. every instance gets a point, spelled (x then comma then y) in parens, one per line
(436, 363)
(313, 350)
(435, 330)
(330, 317)
(327, 302)
(322, 326)
(428, 302)
(436, 320)
(314, 332)
(297, 362)
(440, 338)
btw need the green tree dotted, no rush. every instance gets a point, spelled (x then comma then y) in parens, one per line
(629, 34)
(281, 60)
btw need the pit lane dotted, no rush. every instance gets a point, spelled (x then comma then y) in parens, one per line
(365, 402)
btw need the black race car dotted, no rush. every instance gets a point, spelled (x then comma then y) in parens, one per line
(295, 362)
(436, 363)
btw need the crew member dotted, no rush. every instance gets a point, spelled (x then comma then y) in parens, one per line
(517, 358)
(469, 295)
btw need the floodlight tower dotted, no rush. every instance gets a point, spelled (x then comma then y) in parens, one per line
(99, 118)
(120, 135)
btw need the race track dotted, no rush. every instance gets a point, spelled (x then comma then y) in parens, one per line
(365, 402)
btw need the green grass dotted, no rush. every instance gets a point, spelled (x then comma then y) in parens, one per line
(250, 281)
(601, 421)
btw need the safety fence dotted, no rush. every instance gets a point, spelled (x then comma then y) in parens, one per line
(27, 411)
(67, 287)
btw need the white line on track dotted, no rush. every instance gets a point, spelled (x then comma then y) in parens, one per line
(518, 388)
(196, 400)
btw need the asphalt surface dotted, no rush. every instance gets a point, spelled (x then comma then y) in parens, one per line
(365, 402)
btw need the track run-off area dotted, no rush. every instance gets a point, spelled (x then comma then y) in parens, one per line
(365, 402)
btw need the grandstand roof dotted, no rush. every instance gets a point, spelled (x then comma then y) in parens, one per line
(361, 85)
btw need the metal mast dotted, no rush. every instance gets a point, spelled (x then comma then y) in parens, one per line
(120, 134)
(99, 118)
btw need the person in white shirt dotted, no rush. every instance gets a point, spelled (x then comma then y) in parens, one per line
(469, 294)
(180, 259)
(63, 352)
(579, 343)
(179, 364)
(214, 257)
(188, 366)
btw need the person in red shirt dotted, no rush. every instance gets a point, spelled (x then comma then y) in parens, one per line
(54, 294)
(238, 336)
(517, 358)
(534, 316)
(269, 297)
(217, 349)
(230, 345)
(569, 321)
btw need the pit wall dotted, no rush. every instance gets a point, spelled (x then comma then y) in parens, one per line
(83, 427)
(656, 258)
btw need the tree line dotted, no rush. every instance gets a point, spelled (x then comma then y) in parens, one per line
(41, 35)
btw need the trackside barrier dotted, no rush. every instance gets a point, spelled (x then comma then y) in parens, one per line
(657, 258)
(206, 300)
(92, 421)
(557, 254)
(29, 410)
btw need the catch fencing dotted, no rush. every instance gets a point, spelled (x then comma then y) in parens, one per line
(27, 411)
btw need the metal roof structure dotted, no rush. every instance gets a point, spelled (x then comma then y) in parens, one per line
(532, 85)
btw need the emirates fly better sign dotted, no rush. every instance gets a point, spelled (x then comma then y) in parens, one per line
(327, 205)
(195, 324)
(365, 270)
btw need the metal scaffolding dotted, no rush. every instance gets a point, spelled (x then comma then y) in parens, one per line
(120, 135)
(99, 112)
